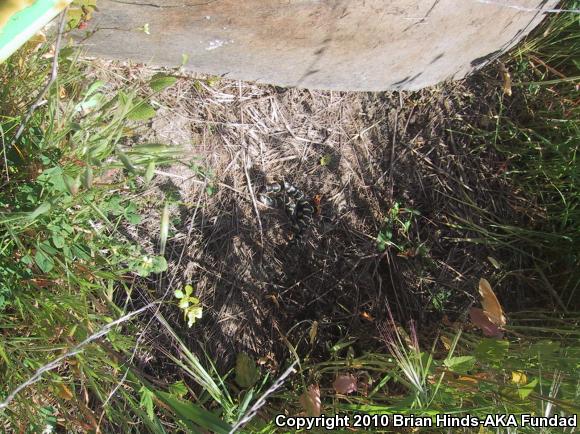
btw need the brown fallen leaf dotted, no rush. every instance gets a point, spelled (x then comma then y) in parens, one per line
(465, 379)
(345, 384)
(367, 316)
(310, 401)
(64, 392)
(446, 342)
(313, 332)
(35, 41)
(507, 79)
(490, 304)
(480, 319)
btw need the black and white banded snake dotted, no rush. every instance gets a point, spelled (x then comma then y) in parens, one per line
(296, 205)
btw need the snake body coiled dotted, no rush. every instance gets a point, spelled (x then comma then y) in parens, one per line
(297, 206)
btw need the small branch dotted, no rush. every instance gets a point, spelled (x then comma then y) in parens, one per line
(75, 350)
(53, 76)
(4, 152)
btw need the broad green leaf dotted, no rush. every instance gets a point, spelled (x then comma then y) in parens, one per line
(178, 389)
(47, 248)
(179, 293)
(147, 401)
(54, 177)
(67, 253)
(160, 82)
(58, 240)
(44, 261)
(80, 252)
(384, 239)
(141, 112)
(460, 364)
(42, 209)
(131, 214)
(492, 350)
(90, 104)
(247, 373)
(159, 264)
(524, 391)
(27, 259)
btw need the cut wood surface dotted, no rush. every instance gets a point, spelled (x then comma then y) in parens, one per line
(342, 45)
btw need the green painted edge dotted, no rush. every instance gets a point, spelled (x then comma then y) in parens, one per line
(26, 23)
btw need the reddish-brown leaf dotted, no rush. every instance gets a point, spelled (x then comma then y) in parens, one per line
(345, 384)
(480, 319)
(310, 401)
(490, 304)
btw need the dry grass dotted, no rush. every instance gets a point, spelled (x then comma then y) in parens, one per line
(377, 149)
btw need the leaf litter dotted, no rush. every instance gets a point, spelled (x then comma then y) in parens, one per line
(413, 149)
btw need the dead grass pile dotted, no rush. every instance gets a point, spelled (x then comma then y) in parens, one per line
(359, 155)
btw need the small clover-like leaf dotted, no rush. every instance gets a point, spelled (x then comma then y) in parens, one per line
(179, 293)
(188, 290)
(193, 314)
(178, 389)
(184, 303)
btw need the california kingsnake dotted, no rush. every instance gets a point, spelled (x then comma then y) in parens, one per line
(296, 205)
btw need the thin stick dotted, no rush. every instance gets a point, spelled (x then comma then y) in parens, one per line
(393, 144)
(75, 350)
(4, 152)
(53, 76)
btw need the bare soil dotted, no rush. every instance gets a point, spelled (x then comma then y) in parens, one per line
(355, 155)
